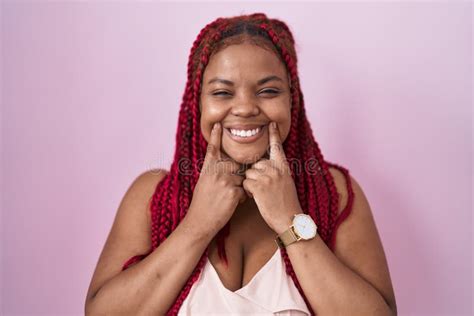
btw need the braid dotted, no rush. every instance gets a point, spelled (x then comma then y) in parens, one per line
(173, 194)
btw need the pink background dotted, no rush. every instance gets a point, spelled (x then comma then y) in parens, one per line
(90, 98)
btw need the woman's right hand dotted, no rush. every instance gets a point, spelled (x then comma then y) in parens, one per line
(219, 189)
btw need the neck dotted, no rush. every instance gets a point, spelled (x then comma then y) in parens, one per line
(247, 211)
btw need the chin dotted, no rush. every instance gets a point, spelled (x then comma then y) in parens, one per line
(246, 157)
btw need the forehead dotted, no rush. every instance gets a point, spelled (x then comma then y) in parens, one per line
(244, 61)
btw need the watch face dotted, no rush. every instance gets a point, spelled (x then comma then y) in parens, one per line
(304, 226)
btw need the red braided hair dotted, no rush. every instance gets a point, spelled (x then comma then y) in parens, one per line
(314, 183)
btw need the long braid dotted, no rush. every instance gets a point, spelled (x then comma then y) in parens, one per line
(316, 189)
(291, 150)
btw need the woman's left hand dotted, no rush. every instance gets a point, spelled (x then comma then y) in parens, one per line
(270, 183)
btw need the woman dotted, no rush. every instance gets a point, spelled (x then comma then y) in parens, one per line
(246, 168)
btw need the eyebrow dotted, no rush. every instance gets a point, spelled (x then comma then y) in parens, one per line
(260, 82)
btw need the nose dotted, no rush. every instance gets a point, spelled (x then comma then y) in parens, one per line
(245, 108)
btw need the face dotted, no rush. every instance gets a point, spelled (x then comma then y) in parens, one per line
(245, 87)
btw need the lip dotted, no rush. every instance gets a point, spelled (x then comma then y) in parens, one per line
(244, 126)
(246, 140)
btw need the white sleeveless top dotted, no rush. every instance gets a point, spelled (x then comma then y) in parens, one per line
(270, 292)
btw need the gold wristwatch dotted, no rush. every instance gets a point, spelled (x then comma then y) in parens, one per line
(303, 227)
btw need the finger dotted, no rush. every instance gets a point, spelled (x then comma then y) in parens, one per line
(269, 169)
(276, 149)
(252, 174)
(249, 185)
(243, 196)
(213, 151)
(242, 169)
(250, 195)
(263, 164)
(237, 180)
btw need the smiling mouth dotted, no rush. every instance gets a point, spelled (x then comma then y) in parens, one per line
(246, 135)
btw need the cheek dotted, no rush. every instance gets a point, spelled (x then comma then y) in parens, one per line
(283, 119)
(210, 114)
(285, 130)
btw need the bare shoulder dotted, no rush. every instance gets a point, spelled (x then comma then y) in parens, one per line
(130, 231)
(141, 190)
(341, 187)
(358, 244)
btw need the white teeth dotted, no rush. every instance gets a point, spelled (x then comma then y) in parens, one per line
(244, 133)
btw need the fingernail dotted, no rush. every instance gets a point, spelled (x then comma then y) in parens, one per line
(216, 126)
(274, 125)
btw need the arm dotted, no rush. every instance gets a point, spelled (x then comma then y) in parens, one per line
(354, 280)
(151, 285)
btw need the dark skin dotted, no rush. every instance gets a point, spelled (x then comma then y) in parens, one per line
(354, 279)
(241, 97)
(243, 100)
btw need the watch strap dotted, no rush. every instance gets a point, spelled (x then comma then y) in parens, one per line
(287, 238)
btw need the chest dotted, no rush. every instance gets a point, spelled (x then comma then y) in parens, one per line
(249, 247)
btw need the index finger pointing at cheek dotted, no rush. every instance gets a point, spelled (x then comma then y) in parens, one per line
(276, 149)
(213, 151)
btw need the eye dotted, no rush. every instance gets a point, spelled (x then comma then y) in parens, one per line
(270, 91)
(223, 93)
